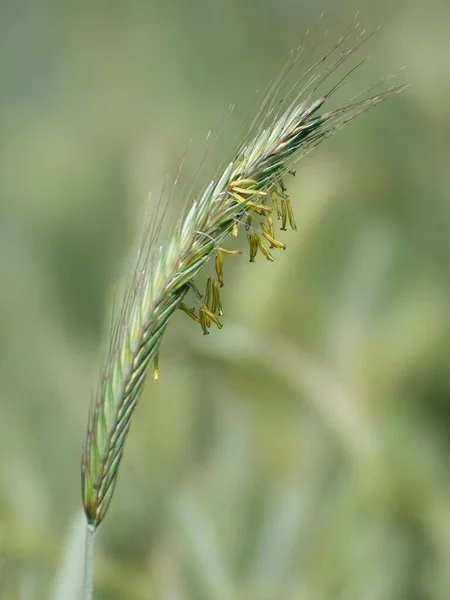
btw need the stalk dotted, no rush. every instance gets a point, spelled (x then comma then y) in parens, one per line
(89, 563)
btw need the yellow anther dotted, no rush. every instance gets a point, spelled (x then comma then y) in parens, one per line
(209, 317)
(219, 267)
(283, 215)
(219, 263)
(290, 215)
(263, 248)
(208, 291)
(271, 225)
(237, 197)
(216, 305)
(204, 321)
(276, 206)
(261, 209)
(248, 191)
(273, 242)
(253, 246)
(225, 251)
(189, 311)
(241, 182)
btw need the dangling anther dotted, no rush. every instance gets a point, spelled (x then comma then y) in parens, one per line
(276, 206)
(273, 242)
(261, 209)
(263, 248)
(253, 246)
(206, 317)
(208, 292)
(290, 215)
(216, 305)
(283, 215)
(189, 311)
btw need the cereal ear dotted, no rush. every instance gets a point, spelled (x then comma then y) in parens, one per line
(165, 270)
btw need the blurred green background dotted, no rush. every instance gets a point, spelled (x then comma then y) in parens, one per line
(301, 452)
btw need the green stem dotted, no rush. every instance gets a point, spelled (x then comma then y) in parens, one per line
(89, 563)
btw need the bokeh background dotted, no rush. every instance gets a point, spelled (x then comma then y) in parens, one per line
(301, 452)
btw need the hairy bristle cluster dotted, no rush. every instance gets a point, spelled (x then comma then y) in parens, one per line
(249, 195)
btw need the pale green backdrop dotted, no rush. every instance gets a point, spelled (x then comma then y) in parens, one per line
(301, 453)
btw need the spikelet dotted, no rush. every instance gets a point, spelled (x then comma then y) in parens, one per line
(250, 186)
